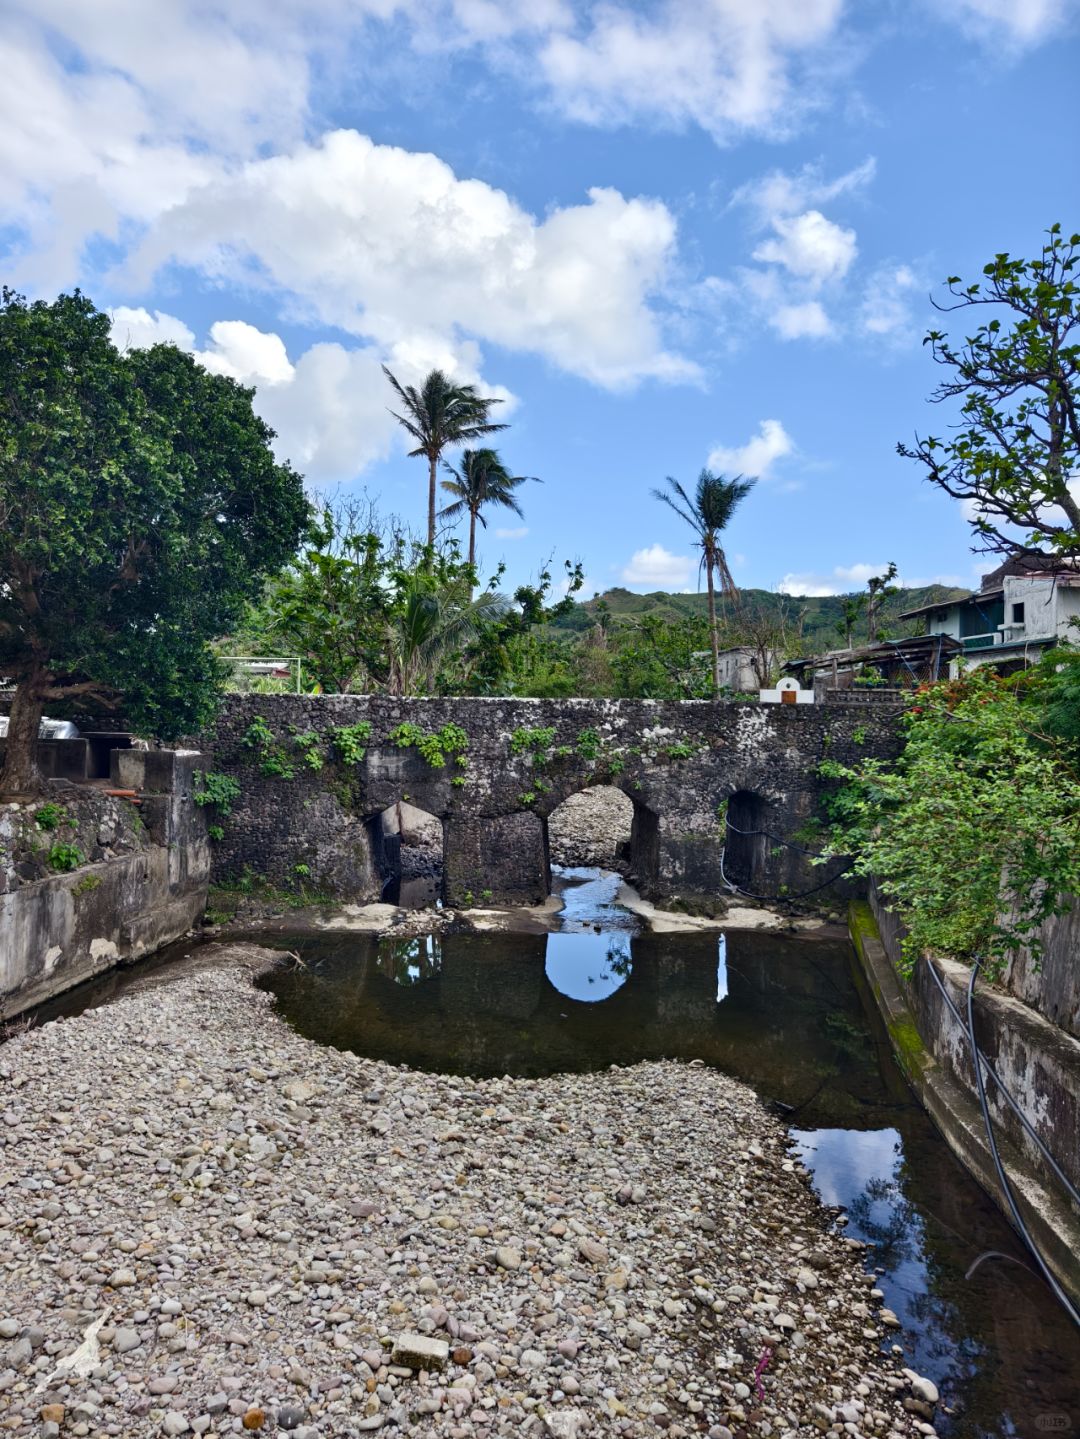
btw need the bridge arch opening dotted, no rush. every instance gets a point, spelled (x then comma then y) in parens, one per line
(592, 828)
(746, 846)
(408, 845)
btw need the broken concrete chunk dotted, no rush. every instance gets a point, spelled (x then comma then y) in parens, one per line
(417, 1351)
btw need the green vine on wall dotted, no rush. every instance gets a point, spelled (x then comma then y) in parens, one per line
(272, 758)
(434, 746)
(51, 816)
(535, 742)
(65, 857)
(351, 740)
(219, 790)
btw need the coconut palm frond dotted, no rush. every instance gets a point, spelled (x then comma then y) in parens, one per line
(686, 510)
(482, 481)
(437, 620)
(439, 414)
(708, 514)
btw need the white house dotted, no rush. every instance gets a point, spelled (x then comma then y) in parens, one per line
(1021, 608)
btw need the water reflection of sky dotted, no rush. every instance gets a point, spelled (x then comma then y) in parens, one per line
(861, 1170)
(587, 966)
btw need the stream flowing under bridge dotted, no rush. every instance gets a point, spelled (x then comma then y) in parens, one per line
(707, 780)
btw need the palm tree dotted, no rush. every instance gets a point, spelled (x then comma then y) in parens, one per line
(438, 414)
(482, 480)
(437, 620)
(708, 514)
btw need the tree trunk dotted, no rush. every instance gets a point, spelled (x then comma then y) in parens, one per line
(20, 775)
(433, 466)
(472, 546)
(712, 630)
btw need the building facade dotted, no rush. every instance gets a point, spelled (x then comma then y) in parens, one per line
(1022, 608)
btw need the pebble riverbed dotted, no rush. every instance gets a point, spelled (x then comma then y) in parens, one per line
(211, 1225)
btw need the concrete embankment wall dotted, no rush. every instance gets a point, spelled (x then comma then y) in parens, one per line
(143, 883)
(1037, 1059)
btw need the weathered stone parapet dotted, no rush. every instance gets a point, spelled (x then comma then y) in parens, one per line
(679, 763)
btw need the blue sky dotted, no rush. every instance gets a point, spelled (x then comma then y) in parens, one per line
(669, 234)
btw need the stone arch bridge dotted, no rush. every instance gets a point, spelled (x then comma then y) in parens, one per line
(316, 772)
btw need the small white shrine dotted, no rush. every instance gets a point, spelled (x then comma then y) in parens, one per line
(787, 692)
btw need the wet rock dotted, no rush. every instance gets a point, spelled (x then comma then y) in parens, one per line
(925, 1389)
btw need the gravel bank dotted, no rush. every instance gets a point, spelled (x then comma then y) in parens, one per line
(591, 827)
(241, 1224)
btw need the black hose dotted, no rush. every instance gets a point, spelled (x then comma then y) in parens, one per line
(978, 1061)
(816, 853)
(780, 898)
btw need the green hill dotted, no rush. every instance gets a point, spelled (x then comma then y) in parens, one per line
(817, 618)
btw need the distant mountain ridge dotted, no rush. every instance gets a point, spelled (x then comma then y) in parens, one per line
(822, 614)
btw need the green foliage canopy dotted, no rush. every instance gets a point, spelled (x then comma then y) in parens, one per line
(1017, 378)
(140, 508)
(975, 831)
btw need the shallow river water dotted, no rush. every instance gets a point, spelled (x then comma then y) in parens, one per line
(782, 1013)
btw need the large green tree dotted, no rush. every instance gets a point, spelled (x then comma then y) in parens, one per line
(482, 481)
(708, 514)
(438, 415)
(331, 603)
(140, 508)
(1015, 455)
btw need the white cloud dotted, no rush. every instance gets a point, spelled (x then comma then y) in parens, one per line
(857, 575)
(512, 534)
(847, 579)
(810, 247)
(843, 580)
(886, 308)
(244, 353)
(804, 254)
(112, 112)
(780, 193)
(722, 64)
(658, 568)
(138, 329)
(807, 320)
(1025, 22)
(330, 408)
(757, 457)
(393, 246)
(804, 585)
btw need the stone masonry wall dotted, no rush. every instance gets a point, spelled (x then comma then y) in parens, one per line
(678, 762)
